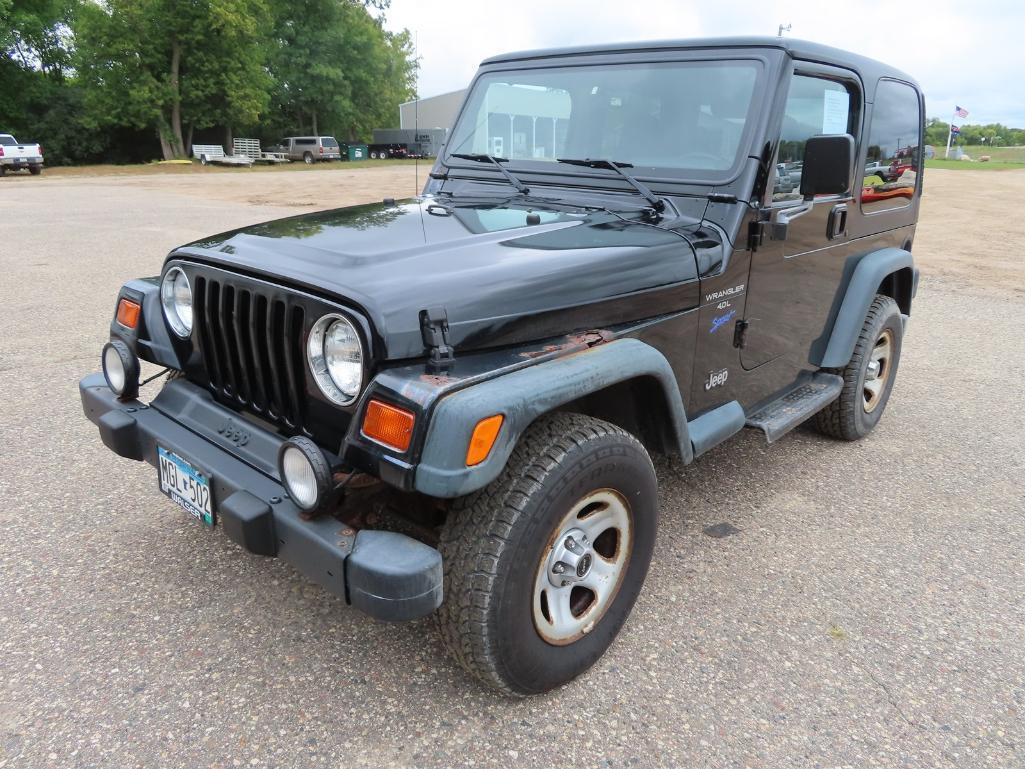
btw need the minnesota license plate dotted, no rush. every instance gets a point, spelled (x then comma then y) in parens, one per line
(184, 484)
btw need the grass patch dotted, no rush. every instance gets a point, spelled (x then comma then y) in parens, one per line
(165, 169)
(973, 165)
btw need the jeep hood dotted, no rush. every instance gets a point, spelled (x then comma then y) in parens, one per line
(502, 278)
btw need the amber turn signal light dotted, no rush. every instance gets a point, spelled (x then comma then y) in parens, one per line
(128, 313)
(389, 425)
(483, 438)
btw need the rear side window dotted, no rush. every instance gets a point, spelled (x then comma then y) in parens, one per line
(894, 148)
(307, 142)
(815, 105)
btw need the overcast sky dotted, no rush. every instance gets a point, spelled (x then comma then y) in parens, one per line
(967, 53)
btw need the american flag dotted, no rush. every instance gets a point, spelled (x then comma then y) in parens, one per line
(961, 112)
(954, 130)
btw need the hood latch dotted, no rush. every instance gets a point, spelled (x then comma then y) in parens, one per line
(434, 330)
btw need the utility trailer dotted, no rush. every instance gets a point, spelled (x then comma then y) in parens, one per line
(406, 143)
(214, 153)
(250, 148)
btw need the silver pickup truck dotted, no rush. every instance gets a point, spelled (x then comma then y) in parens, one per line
(18, 157)
(308, 149)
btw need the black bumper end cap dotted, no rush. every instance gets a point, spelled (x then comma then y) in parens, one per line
(249, 522)
(118, 431)
(393, 577)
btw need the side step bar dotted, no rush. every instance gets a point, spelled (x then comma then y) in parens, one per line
(785, 413)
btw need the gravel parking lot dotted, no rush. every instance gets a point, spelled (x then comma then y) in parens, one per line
(870, 611)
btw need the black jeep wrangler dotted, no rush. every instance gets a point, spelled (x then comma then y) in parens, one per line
(446, 405)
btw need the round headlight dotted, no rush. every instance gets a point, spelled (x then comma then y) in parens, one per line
(304, 472)
(335, 354)
(176, 298)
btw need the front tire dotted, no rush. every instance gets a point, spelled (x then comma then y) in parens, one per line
(543, 566)
(869, 377)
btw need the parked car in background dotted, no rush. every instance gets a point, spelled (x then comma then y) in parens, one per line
(308, 149)
(878, 168)
(19, 157)
(794, 171)
(784, 181)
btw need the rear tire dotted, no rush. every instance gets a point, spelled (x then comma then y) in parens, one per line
(35, 170)
(515, 614)
(869, 377)
(308, 158)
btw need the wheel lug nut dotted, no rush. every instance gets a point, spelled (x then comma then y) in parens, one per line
(559, 568)
(570, 543)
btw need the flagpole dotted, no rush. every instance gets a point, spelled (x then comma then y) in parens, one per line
(950, 134)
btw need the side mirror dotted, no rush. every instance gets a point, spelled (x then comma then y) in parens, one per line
(827, 165)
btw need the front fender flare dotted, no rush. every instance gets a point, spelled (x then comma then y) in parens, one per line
(861, 291)
(524, 395)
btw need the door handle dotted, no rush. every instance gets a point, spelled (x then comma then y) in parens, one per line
(837, 223)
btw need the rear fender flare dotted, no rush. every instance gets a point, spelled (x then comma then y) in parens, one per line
(868, 275)
(524, 395)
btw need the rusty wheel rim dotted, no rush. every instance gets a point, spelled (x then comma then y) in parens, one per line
(877, 373)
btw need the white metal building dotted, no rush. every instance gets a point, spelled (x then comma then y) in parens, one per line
(433, 112)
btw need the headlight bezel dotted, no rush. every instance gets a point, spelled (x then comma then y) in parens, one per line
(169, 302)
(316, 359)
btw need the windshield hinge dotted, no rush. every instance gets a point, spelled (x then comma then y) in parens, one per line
(434, 330)
(755, 234)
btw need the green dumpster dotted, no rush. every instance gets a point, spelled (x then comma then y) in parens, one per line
(357, 152)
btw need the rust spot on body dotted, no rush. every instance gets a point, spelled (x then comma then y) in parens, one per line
(438, 380)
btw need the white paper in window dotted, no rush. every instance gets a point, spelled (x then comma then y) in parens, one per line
(835, 107)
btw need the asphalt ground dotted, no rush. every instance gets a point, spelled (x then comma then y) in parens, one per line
(869, 610)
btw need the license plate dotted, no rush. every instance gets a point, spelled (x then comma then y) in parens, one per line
(186, 486)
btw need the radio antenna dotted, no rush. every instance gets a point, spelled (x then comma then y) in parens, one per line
(416, 112)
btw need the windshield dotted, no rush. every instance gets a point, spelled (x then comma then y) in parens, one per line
(677, 116)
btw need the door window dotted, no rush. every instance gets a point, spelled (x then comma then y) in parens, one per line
(894, 148)
(815, 106)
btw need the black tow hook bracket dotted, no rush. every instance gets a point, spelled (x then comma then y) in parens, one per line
(434, 330)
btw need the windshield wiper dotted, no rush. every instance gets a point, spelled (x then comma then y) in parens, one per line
(480, 157)
(656, 203)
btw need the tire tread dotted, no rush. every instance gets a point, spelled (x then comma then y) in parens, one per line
(838, 419)
(478, 530)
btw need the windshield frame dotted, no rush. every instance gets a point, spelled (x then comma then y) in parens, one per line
(761, 59)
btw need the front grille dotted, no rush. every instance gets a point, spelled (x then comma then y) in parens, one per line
(251, 345)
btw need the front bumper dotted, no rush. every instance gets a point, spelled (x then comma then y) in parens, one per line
(385, 574)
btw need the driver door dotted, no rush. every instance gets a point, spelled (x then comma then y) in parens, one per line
(793, 282)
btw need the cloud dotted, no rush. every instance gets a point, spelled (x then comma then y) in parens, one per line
(967, 54)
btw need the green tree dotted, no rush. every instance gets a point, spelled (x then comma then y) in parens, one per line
(168, 65)
(336, 69)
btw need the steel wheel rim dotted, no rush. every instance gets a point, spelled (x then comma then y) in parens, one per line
(601, 526)
(877, 373)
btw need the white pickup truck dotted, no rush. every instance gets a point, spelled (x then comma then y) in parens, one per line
(17, 157)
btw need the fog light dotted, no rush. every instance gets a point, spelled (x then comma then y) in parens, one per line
(304, 472)
(121, 369)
